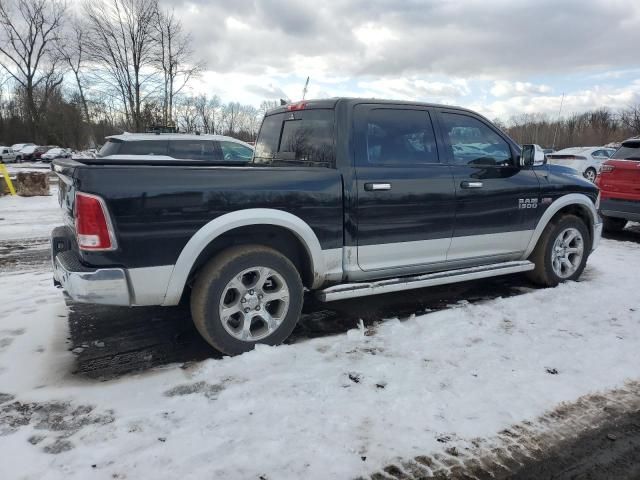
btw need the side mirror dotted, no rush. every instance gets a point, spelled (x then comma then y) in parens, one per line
(532, 155)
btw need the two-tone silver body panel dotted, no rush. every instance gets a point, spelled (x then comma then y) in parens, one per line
(470, 256)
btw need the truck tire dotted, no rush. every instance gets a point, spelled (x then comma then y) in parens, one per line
(561, 252)
(613, 225)
(246, 295)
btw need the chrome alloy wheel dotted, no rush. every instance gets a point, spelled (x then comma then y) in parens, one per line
(254, 304)
(567, 252)
(590, 175)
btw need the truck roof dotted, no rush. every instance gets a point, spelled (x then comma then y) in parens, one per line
(332, 102)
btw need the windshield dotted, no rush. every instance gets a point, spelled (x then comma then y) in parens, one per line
(297, 138)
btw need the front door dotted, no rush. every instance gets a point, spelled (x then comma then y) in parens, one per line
(405, 194)
(496, 200)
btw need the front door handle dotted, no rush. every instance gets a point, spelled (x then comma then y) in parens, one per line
(374, 187)
(468, 184)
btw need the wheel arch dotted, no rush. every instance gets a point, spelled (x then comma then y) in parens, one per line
(273, 227)
(574, 203)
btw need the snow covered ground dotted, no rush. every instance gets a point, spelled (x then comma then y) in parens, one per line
(29, 217)
(332, 407)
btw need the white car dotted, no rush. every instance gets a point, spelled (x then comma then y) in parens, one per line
(172, 146)
(54, 153)
(8, 155)
(16, 147)
(585, 160)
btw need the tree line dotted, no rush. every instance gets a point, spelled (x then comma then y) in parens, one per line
(117, 65)
(592, 128)
(125, 65)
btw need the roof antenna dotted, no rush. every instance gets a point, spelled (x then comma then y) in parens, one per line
(306, 87)
(553, 147)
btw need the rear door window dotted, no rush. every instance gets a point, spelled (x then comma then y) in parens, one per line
(144, 147)
(236, 152)
(204, 150)
(300, 138)
(400, 137)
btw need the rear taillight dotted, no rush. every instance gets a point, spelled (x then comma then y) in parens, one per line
(607, 168)
(93, 226)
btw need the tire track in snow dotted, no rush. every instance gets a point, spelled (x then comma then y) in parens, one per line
(598, 436)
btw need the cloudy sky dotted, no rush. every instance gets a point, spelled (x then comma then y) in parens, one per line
(500, 57)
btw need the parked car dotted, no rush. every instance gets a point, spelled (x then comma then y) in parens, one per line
(585, 160)
(32, 153)
(16, 147)
(207, 148)
(344, 198)
(37, 155)
(54, 153)
(619, 183)
(26, 153)
(8, 155)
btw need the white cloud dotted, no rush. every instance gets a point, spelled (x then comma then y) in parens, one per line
(505, 88)
(235, 24)
(613, 98)
(416, 89)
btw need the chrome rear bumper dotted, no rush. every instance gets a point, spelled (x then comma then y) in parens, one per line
(106, 286)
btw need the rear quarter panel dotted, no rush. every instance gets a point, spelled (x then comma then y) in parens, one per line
(157, 209)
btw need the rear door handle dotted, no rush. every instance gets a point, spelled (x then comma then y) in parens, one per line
(374, 187)
(468, 184)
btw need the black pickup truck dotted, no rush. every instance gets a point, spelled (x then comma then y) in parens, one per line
(343, 198)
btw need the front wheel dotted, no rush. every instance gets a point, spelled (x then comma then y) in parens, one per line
(561, 253)
(246, 295)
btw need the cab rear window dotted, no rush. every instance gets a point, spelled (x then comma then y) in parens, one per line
(300, 138)
(110, 147)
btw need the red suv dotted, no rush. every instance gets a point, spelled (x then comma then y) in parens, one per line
(619, 184)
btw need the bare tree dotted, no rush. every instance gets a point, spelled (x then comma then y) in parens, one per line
(174, 58)
(29, 30)
(208, 110)
(121, 43)
(187, 116)
(72, 51)
(630, 118)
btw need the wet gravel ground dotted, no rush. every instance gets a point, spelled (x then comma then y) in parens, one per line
(112, 341)
(611, 451)
(109, 342)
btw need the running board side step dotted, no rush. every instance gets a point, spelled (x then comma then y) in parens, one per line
(352, 290)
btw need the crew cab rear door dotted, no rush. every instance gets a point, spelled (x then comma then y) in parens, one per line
(496, 200)
(405, 195)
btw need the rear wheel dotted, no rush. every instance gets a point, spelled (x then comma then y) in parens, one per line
(246, 295)
(590, 174)
(561, 253)
(612, 225)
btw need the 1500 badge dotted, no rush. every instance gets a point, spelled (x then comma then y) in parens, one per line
(527, 203)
